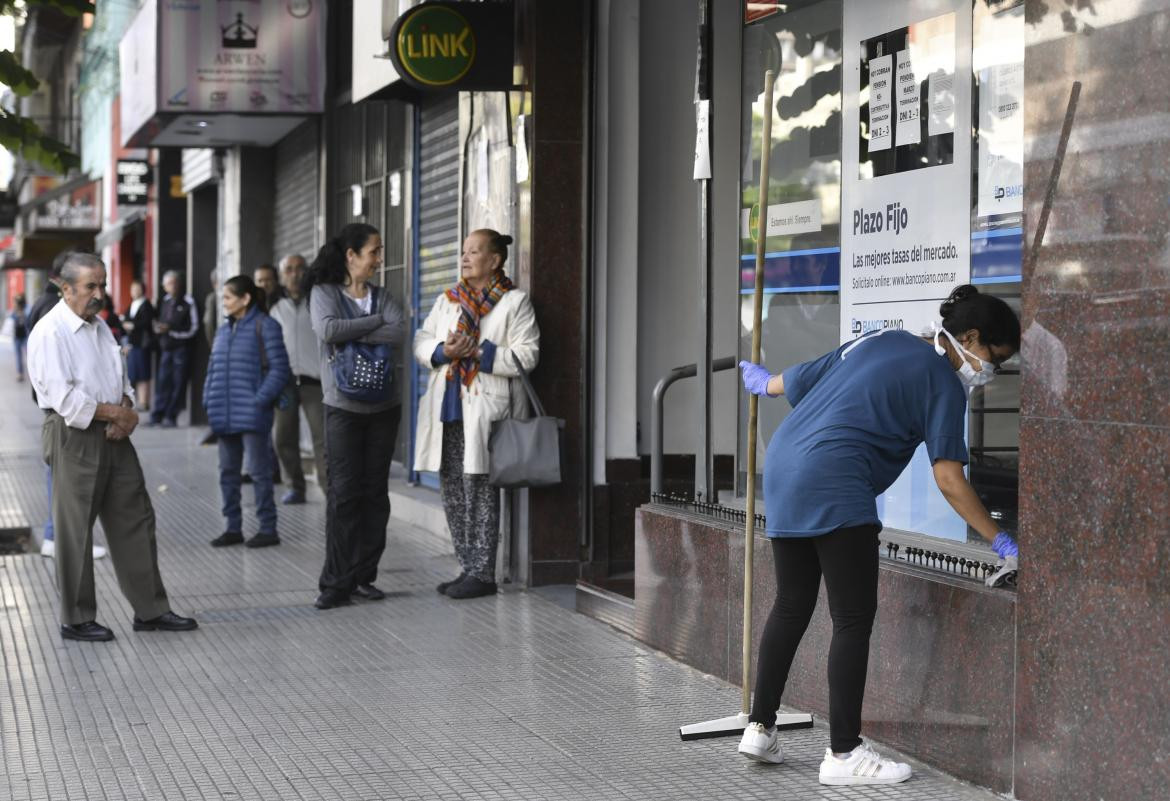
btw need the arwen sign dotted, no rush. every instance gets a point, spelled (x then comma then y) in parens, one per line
(451, 45)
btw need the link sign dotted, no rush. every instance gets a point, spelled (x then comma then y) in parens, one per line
(459, 46)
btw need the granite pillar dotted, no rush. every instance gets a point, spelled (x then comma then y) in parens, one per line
(555, 49)
(1093, 715)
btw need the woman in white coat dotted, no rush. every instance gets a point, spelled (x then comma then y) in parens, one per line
(471, 340)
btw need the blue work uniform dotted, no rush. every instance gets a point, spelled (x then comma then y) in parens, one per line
(859, 413)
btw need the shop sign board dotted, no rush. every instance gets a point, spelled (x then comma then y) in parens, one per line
(200, 57)
(134, 177)
(242, 56)
(906, 194)
(75, 211)
(448, 45)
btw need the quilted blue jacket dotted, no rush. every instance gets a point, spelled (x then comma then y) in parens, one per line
(238, 397)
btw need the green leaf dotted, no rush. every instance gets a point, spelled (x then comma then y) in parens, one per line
(22, 137)
(16, 77)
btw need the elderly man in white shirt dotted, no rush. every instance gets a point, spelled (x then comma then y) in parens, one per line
(79, 376)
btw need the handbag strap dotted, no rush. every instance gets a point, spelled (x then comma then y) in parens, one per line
(346, 307)
(347, 310)
(537, 406)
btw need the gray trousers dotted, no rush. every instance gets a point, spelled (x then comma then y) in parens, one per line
(287, 434)
(472, 506)
(93, 479)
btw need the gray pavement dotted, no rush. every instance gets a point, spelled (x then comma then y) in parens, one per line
(414, 697)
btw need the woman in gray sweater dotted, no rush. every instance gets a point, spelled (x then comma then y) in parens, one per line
(361, 424)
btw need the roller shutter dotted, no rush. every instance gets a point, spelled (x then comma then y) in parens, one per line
(297, 187)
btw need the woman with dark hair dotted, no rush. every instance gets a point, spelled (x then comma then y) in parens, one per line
(357, 324)
(859, 412)
(470, 342)
(245, 375)
(140, 336)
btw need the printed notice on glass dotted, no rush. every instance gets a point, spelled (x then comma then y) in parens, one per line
(880, 105)
(909, 128)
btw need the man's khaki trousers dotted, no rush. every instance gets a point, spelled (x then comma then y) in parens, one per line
(94, 478)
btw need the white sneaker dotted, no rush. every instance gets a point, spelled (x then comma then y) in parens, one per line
(862, 766)
(49, 549)
(761, 744)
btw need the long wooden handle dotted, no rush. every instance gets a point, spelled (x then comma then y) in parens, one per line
(749, 536)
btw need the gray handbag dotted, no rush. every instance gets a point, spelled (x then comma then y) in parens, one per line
(525, 453)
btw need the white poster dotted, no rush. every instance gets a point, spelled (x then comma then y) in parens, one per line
(909, 99)
(880, 106)
(906, 214)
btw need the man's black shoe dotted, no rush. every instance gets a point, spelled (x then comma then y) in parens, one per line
(227, 538)
(245, 478)
(167, 621)
(263, 540)
(471, 587)
(443, 586)
(331, 598)
(369, 592)
(169, 424)
(91, 631)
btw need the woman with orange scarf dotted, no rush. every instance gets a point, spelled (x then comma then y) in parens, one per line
(470, 342)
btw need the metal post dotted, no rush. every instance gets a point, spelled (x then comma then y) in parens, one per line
(704, 480)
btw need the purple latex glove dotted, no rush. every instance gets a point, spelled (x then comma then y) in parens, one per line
(1005, 545)
(755, 378)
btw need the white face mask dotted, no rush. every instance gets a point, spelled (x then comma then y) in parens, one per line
(968, 375)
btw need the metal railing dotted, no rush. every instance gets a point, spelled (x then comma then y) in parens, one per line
(664, 383)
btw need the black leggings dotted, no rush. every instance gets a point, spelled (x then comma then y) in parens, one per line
(848, 559)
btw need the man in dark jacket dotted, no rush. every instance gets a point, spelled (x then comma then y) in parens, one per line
(50, 296)
(176, 325)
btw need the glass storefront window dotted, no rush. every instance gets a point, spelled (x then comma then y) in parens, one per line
(803, 253)
(802, 316)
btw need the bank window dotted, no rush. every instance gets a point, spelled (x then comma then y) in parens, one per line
(802, 311)
(803, 254)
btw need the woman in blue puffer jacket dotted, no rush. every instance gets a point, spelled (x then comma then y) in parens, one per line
(245, 377)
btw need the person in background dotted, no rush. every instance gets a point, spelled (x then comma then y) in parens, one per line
(110, 316)
(268, 280)
(139, 324)
(359, 435)
(265, 278)
(304, 386)
(19, 317)
(76, 368)
(858, 414)
(211, 309)
(245, 376)
(49, 298)
(470, 342)
(176, 325)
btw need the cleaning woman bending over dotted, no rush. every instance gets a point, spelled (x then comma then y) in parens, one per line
(858, 414)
